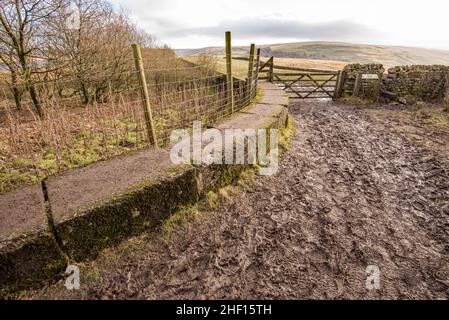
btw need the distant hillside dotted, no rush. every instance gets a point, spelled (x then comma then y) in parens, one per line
(339, 51)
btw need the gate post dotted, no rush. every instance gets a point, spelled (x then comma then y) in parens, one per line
(341, 82)
(357, 84)
(337, 86)
(270, 72)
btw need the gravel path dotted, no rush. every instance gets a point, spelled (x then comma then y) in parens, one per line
(350, 193)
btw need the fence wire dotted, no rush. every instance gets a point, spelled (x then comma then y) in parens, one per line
(96, 116)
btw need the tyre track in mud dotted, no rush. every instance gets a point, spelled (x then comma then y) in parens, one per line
(349, 193)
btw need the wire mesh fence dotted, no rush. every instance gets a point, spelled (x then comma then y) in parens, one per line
(96, 116)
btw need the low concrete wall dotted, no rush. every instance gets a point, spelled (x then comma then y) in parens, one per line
(102, 204)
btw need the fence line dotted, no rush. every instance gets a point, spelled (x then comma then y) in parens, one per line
(113, 121)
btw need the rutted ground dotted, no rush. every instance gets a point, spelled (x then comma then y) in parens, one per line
(350, 193)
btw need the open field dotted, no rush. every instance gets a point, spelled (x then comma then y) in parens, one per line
(337, 51)
(239, 67)
(309, 63)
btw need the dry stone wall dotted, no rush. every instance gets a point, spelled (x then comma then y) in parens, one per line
(424, 82)
(349, 75)
(446, 94)
(427, 83)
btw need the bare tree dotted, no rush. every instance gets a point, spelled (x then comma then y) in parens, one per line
(7, 57)
(21, 35)
(96, 53)
(64, 48)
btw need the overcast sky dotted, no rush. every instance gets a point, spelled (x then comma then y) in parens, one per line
(202, 23)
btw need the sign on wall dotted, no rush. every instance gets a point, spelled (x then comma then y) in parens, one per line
(370, 76)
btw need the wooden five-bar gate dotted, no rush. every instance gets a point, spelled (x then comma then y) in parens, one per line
(302, 83)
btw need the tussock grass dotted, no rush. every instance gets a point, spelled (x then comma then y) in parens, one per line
(431, 115)
(180, 219)
(286, 134)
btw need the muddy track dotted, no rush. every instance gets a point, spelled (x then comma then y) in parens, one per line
(350, 193)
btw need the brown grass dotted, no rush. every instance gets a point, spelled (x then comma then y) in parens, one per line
(73, 136)
(32, 149)
(239, 67)
(309, 63)
(339, 51)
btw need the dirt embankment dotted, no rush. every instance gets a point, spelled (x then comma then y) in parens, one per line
(350, 193)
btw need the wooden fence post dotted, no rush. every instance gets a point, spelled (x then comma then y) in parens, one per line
(229, 78)
(144, 93)
(250, 78)
(256, 81)
(270, 73)
(357, 84)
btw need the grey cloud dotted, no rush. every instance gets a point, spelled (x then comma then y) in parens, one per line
(277, 28)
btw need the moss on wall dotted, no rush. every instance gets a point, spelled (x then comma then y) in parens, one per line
(140, 208)
(423, 82)
(33, 259)
(427, 83)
